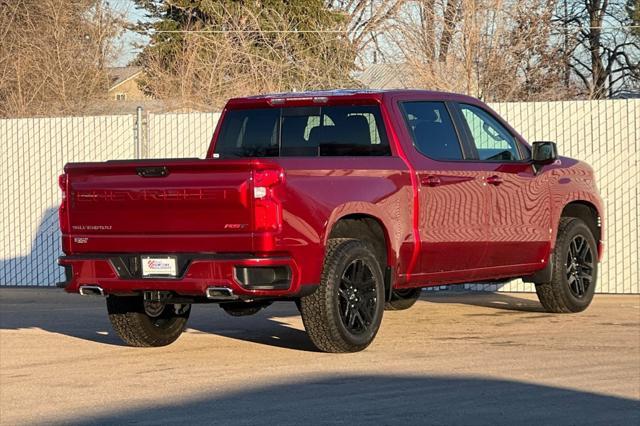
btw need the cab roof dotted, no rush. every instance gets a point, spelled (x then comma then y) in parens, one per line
(320, 97)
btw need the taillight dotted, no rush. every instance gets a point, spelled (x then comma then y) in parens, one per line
(63, 214)
(266, 206)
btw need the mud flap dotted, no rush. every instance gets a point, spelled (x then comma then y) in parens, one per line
(388, 285)
(543, 275)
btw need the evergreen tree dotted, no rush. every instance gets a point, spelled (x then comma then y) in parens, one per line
(207, 50)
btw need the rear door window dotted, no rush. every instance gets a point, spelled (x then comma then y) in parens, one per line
(345, 130)
(432, 130)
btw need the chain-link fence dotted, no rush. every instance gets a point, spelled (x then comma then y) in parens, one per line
(34, 150)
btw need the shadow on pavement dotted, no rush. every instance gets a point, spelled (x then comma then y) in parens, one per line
(86, 318)
(484, 299)
(55, 311)
(263, 328)
(387, 400)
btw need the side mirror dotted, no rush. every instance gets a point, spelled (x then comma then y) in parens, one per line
(544, 153)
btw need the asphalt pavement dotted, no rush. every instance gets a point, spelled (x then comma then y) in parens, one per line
(454, 358)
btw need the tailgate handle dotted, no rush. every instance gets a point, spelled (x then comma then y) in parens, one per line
(155, 171)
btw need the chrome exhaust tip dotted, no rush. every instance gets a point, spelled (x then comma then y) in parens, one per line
(91, 290)
(220, 293)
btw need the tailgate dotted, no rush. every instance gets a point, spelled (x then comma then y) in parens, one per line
(160, 200)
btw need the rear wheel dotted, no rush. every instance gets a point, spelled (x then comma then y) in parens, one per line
(575, 269)
(403, 299)
(146, 324)
(344, 313)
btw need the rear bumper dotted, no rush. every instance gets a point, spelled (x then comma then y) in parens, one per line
(114, 275)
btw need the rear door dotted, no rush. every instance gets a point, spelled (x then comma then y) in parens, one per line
(453, 201)
(519, 205)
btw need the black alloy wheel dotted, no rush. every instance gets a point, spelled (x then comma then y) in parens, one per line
(357, 297)
(579, 266)
(574, 269)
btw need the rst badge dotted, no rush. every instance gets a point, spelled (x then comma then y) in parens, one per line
(158, 266)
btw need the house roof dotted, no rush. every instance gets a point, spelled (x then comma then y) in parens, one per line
(627, 94)
(118, 75)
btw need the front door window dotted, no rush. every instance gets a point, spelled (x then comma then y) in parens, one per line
(492, 141)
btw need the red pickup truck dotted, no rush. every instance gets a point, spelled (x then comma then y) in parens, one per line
(347, 202)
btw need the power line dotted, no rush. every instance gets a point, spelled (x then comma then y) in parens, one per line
(248, 31)
(566, 29)
(621, 27)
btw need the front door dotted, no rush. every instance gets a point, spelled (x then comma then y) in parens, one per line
(519, 206)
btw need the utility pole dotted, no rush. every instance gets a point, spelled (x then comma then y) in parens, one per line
(567, 66)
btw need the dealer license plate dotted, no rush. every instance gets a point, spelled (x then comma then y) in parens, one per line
(158, 266)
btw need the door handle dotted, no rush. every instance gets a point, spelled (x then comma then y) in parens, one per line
(431, 180)
(494, 180)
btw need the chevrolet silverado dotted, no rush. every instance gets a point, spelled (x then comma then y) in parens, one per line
(346, 202)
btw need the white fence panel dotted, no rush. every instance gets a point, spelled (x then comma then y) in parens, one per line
(34, 150)
(180, 135)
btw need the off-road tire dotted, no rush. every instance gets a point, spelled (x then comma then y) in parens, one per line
(403, 299)
(136, 328)
(320, 311)
(556, 296)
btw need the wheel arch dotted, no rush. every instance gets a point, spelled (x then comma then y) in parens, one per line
(585, 210)
(357, 225)
(589, 214)
(369, 228)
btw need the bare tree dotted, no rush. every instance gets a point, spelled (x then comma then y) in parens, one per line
(53, 55)
(601, 44)
(367, 23)
(493, 49)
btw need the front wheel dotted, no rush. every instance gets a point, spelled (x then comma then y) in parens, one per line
(344, 313)
(575, 269)
(146, 324)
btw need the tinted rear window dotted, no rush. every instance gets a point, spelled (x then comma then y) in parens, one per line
(303, 132)
(432, 130)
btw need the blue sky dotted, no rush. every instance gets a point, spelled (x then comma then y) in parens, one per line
(126, 43)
